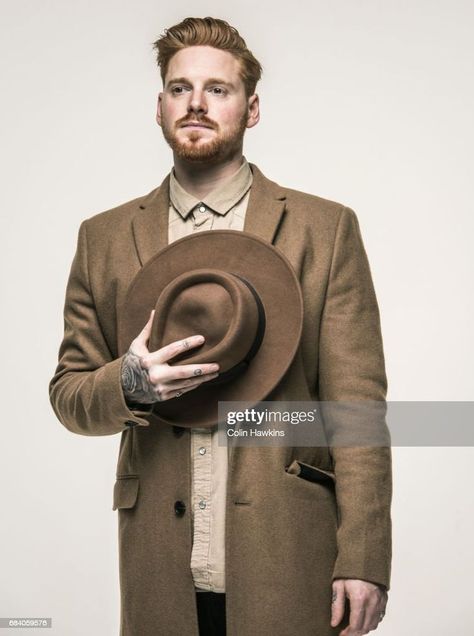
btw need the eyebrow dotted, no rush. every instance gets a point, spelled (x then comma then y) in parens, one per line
(211, 80)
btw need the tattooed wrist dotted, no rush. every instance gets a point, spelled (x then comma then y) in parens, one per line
(136, 384)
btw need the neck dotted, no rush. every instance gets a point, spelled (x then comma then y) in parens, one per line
(201, 178)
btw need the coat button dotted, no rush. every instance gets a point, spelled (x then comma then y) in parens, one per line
(178, 431)
(179, 508)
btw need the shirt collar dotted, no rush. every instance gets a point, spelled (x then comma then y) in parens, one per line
(220, 200)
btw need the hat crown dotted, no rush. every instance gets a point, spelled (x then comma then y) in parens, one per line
(219, 305)
(204, 308)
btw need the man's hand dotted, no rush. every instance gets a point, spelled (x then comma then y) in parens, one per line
(367, 605)
(147, 377)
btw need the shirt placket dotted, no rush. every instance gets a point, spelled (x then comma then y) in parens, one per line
(202, 218)
(202, 506)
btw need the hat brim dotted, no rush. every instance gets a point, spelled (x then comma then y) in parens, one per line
(274, 279)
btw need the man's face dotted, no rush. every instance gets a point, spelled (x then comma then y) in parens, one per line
(203, 109)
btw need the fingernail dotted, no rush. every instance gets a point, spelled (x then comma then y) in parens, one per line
(200, 338)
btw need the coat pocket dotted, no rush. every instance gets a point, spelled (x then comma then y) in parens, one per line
(126, 491)
(311, 473)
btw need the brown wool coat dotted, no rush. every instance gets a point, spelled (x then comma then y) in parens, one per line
(286, 537)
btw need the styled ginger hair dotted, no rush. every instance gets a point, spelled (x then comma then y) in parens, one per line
(208, 32)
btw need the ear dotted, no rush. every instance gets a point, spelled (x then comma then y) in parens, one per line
(253, 107)
(158, 109)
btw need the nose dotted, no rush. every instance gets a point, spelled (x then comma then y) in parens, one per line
(197, 103)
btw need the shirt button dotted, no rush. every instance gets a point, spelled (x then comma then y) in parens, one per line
(202, 504)
(202, 450)
(202, 208)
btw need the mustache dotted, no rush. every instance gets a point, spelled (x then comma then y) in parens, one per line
(201, 120)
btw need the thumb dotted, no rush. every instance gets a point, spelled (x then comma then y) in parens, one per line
(338, 602)
(141, 341)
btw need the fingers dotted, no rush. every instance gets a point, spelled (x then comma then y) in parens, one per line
(174, 348)
(180, 384)
(182, 372)
(183, 379)
(167, 391)
(375, 612)
(176, 392)
(338, 602)
(172, 381)
(374, 606)
(366, 600)
(139, 345)
(356, 621)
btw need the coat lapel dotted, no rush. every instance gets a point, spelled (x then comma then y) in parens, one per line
(150, 225)
(265, 211)
(265, 208)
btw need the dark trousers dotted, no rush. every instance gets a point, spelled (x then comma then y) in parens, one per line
(211, 613)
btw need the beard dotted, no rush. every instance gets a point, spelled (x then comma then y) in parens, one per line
(195, 149)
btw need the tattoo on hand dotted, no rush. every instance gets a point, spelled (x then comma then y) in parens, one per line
(135, 381)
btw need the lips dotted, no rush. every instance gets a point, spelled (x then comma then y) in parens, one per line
(196, 124)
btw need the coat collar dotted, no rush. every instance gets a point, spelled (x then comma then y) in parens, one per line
(265, 210)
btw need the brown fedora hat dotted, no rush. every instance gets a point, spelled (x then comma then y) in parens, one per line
(237, 290)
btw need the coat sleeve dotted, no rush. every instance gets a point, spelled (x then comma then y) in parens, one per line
(351, 369)
(86, 391)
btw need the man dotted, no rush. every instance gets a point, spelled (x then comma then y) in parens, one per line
(208, 543)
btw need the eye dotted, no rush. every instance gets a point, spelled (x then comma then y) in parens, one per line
(218, 90)
(177, 90)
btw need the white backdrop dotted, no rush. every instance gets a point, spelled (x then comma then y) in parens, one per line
(364, 102)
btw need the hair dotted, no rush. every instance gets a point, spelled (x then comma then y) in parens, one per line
(208, 32)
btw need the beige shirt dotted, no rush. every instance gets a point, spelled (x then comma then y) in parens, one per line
(224, 208)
